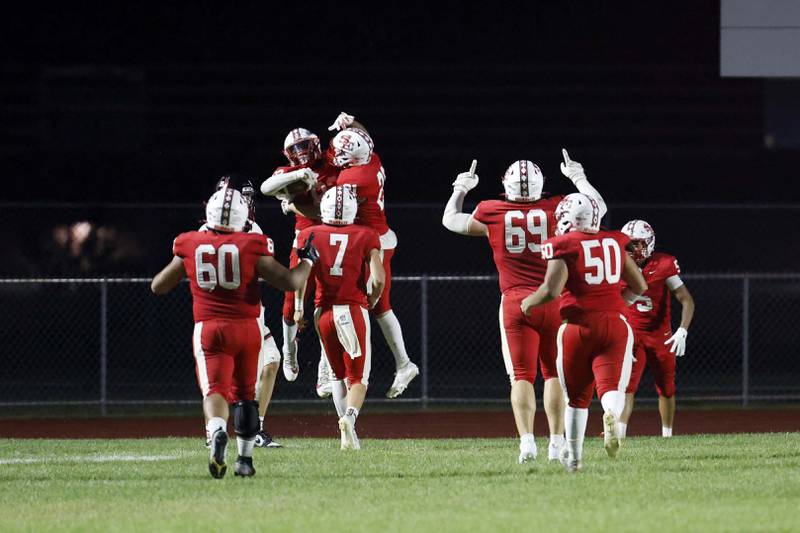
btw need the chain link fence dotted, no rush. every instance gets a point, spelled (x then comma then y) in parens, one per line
(111, 342)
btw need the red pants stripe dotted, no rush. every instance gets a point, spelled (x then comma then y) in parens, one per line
(226, 355)
(595, 351)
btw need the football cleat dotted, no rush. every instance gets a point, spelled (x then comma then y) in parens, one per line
(264, 440)
(554, 451)
(324, 387)
(571, 465)
(348, 432)
(527, 451)
(401, 380)
(244, 467)
(216, 460)
(290, 367)
(611, 439)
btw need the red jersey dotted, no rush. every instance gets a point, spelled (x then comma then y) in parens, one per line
(651, 311)
(367, 183)
(221, 268)
(594, 262)
(516, 232)
(342, 270)
(325, 180)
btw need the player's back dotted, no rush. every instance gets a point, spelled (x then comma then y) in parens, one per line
(651, 312)
(368, 183)
(594, 263)
(516, 232)
(342, 269)
(221, 268)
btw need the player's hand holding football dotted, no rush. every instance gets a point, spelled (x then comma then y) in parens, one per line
(466, 181)
(342, 121)
(678, 341)
(308, 252)
(571, 169)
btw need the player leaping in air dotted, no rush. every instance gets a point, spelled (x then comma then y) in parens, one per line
(516, 226)
(595, 342)
(223, 265)
(348, 253)
(650, 319)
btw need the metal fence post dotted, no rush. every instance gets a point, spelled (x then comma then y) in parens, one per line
(745, 341)
(103, 346)
(423, 314)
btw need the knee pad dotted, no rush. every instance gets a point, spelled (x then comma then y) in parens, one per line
(245, 418)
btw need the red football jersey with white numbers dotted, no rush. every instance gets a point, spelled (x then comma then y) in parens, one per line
(651, 312)
(367, 182)
(342, 270)
(221, 268)
(516, 232)
(594, 262)
(325, 180)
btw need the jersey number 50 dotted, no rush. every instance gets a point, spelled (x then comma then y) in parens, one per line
(516, 237)
(209, 277)
(606, 268)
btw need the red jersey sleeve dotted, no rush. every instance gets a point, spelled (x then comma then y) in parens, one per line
(179, 246)
(558, 247)
(373, 243)
(671, 266)
(259, 244)
(481, 213)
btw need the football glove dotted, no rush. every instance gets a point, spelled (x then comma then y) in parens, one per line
(308, 252)
(285, 203)
(466, 181)
(341, 122)
(678, 342)
(571, 169)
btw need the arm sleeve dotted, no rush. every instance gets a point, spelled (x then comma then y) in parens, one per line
(674, 282)
(453, 219)
(586, 188)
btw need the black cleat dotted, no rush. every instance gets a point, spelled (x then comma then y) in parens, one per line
(216, 461)
(264, 440)
(244, 467)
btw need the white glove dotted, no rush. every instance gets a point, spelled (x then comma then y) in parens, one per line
(285, 203)
(571, 169)
(466, 181)
(341, 122)
(678, 342)
(310, 177)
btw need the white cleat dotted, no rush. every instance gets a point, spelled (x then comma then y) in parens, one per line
(290, 366)
(571, 465)
(324, 387)
(611, 440)
(527, 452)
(554, 451)
(348, 431)
(402, 378)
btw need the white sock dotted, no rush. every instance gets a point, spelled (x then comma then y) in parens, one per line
(352, 412)
(261, 422)
(556, 439)
(289, 334)
(666, 432)
(622, 428)
(575, 421)
(245, 446)
(339, 395)
(527, 440)
(393, 334)
(615, 401)
(215, 423)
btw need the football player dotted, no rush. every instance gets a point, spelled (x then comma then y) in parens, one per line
(270, 357)
(299, 186)
(595, 342)
(650, 319)
(223, 265)
(516, 226)
(348, 255)
(352, 150)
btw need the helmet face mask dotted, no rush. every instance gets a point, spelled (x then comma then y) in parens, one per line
(577, 212)
(302, 148)
(245, 188)
(352, 147)
(640, 231)
(338, 206)
(523, 181)
(227, 211)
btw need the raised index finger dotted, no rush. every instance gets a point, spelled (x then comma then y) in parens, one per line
(566, 155)
(473, 166)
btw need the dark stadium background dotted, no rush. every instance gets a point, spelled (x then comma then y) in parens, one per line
(121, 117)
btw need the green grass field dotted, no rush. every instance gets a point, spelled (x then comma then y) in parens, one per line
(730, 482)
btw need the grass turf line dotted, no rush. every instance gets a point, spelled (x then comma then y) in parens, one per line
(723, 482)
